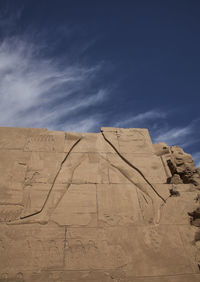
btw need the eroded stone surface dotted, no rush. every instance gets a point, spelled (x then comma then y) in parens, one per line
(107, 206)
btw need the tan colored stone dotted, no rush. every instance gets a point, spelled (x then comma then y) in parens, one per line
(176, 209)
(92, 143)
(95, 207)
(118, 204)
(49, 141)
(190, 238)
(42, 167)
(80, 204)
(161, 149)
(28, 248)
(129, 140)
(13, 169)
(151, 167)
(34, 197)
(185, 188)
(62, 276)
(16, 137)
(144, 255)
(93, 248)
(179, 163)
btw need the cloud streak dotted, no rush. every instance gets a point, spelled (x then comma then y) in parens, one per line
(40, 88)
(196, 157)
(182, 136)
(157, 122)
(40, 92)
(141, 118)
(186, 137)
(174, 135)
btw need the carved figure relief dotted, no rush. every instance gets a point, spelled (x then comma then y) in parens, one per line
(40, 143)
(114, 159)
(104, 180)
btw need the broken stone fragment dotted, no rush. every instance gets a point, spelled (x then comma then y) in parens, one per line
(196, 179)
(96, 207)
(173, 192)
(195, 217)
(176, 179)
(182, 167)
(195, 214)
(196, 222)
(161, 149)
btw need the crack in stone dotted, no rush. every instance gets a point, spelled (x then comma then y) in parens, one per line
(132, 166)
(53, 183)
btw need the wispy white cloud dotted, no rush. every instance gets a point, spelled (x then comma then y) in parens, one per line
(141, 118)
(174, 135)
(196, 157)
(40, 92)
(182, 136)
(84, 125)
(186, 137)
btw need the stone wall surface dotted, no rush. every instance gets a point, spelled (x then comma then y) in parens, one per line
(108, 206)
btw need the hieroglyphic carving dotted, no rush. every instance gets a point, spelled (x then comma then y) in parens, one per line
(10, 212)
(18, 277)
(40, 143)
(93, 253)
(120, 162)
(106, 189)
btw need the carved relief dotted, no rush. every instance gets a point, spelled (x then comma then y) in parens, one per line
(40, 143)
(103, 190)
(10, 212)
(19, 277)
(78, 163)
(153, 239)
(95, 249)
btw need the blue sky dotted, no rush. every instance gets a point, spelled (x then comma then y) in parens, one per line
(79, 65)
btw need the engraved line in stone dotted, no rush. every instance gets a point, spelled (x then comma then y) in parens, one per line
(132, 166)
(35, 213)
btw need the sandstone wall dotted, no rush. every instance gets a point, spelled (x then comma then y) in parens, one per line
(107, 206)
